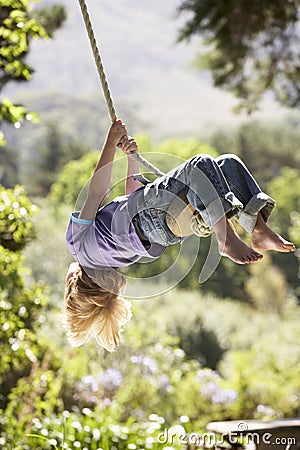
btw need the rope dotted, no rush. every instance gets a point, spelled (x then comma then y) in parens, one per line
(104, 83)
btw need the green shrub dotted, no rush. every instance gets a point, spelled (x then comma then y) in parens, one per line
(15, 218)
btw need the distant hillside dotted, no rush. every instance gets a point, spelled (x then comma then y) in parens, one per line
(146, 68)
(81, 119)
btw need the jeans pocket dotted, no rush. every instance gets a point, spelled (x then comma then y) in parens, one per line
(158, 220)
(161, 228)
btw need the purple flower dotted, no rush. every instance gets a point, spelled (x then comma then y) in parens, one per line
(207, 374)
(110, 378)
(164, 383)
(209, 388)
(146, 361)
(217, 394)
(90, 381)
(149, 363)
(224, 396)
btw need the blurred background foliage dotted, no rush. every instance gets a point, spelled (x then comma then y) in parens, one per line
(225, 349)
(249, 47)
(214, 351)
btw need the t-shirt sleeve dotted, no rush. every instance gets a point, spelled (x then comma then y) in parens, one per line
(76, 232)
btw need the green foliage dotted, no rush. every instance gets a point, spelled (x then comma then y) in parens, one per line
(50, 18)
(285, 189)
(99, 400)
(267, 287)
(294, 229)
(256, 373)
(250, 47)
(182, 149)
(264, 147)
(21, 306)
(89, 429)
(19, 315)
(187, 357)
(59, 397)
(34, 395)
(17, 29)
(199, 343)
(16, 211)
(15, 113)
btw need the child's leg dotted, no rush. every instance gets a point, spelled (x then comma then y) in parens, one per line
(208, 190)
(247, 190)
(257, 205)
(210, 193)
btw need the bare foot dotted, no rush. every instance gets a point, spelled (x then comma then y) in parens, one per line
(231, 246)
(264, 239)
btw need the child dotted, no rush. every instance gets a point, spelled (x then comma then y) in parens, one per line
(134, 226)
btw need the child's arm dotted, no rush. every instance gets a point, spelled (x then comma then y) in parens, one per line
(101, 178)
(128, 145)
(133, 168)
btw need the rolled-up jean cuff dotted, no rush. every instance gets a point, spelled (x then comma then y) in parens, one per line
(218, 208)
(259, 203)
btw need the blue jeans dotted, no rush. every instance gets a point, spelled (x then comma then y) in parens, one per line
(213, 186)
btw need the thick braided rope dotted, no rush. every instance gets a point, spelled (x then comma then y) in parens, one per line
(104, 83)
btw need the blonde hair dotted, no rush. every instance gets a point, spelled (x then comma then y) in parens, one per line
(95, 311)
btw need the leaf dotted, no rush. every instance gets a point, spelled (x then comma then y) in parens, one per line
(37, 436)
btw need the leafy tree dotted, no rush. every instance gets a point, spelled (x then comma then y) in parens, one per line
(51, 18)
(18, 26)
(251, 47)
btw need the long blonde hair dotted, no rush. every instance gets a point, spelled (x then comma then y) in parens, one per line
(95, 311)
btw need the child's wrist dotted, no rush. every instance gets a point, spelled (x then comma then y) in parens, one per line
(112, 141)
(131, 154)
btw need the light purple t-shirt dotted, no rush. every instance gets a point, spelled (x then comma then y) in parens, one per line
(110, 240)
